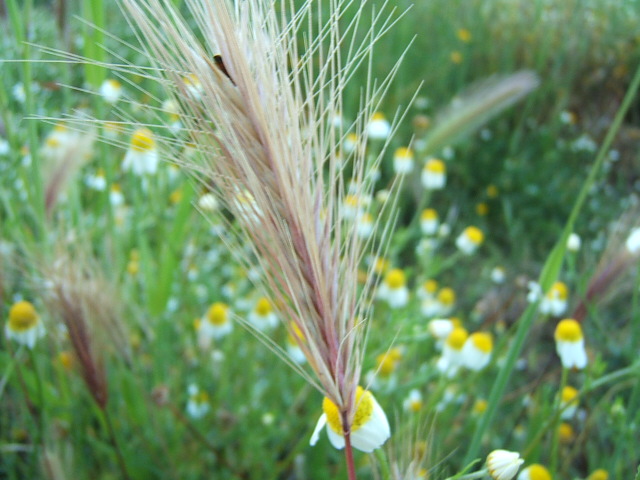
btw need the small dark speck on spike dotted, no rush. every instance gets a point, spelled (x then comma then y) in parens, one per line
(220, 64)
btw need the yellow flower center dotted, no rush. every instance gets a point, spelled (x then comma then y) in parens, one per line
(415, 405)
(474, 234)
(464, 35)
(569, 393)
(364, 411)
(482, 209)
(428, 214)
(142, 140)
(538, 472)
(387, 361)
(430, 286)
(435, 166)
(386, 365)
(352, 201)
(191, 80)
(22, 317)
(381, 265)
(115, 84)
(200, 397)
(395, 279)
(559, 290)
(66, 360)
(112, 127)
(403, 153)
(457, 338)
(599, 474)
(53, 142)
(367, 218)
(175, 196)
(217, 314)
(296, 336)
(566, 433)
(568, 330)
(263, 307)
(396, 354)
(482, 341)
(447, 296)
(480, 406)
(378, 117)
(492, 191)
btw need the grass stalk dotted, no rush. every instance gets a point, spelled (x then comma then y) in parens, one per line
(113, 439)
(500, 384)
(383, 462)
(348, 455)
(20, 23)
(94, 12)
(555, 431)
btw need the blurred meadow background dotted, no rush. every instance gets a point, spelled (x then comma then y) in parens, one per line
(146, 371)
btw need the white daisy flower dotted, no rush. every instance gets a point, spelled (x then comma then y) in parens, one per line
(570, 344)
(394, 289)
(555, 301)
(216, 323)
(429, 222)
(142, 157)
(24, 325)
(568, 402)
(469, 240)
(477, 351)
(413, 403)
(378, 128)
(434, 174)
(111, 90)
(503, 465)
(369, 430)
(403, 161)
(262, 317)
(574, 242)
(198, 404)
(452, 357)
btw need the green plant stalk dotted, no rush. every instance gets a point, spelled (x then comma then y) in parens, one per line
(40, 420)
(499, 386)
(114, 443)
(383, 461)
(94, 12)
(555, 431)
(549, 274)
(19, 22)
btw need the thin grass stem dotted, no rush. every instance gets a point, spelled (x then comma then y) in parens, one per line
(348, 455)
(555, 431)
(20, 23)
(115, 444)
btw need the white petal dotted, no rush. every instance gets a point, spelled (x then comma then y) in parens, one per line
(374, 433)
(336, 439)
(572, 354)
(322, 421)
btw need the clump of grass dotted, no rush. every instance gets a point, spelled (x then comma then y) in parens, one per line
(89, 308)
